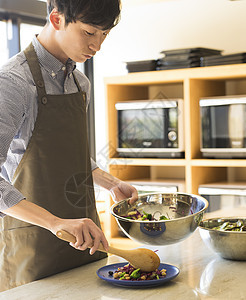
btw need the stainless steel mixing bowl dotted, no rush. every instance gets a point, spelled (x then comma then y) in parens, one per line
(185, 212)
(228, 244)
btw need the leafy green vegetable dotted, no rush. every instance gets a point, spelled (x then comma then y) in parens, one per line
(128, 272)
(231, 226)
(147, 216)
(135, 274)
(122, 275)
(136, 215)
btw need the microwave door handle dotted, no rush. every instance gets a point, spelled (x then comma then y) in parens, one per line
(236, 126)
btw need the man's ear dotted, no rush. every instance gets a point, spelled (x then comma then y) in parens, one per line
(56, 19)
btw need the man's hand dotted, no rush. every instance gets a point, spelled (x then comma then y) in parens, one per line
(119, 189)
(86, 232)
(124, 190)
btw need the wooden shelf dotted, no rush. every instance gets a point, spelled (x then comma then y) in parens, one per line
(219, 162)
(191, 85)
(158, 77)
(147, 162)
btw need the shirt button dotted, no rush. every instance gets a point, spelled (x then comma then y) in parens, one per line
(63, 68)
(53, 74)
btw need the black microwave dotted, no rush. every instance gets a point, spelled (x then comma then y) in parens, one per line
(223, 126)
(150, 128)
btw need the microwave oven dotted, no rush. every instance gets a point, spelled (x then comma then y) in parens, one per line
(223, 195)
(223, 126)
(158, 185)
(150, 128)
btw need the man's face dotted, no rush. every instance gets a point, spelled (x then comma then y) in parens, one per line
(79, 41)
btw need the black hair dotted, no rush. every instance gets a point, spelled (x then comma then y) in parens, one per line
(101, 13)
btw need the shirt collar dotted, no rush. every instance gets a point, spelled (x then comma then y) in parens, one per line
(51, 63)
(70, 65)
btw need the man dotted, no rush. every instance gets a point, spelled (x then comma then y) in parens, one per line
(46, 179)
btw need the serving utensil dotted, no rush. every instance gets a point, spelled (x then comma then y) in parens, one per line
(145, 259)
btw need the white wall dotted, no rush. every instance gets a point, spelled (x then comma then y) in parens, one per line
(147, 29)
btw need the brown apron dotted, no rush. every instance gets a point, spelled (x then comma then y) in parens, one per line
(54, 173)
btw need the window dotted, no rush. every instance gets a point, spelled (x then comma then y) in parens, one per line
(20, 20)
(4, 53)
(27, 32)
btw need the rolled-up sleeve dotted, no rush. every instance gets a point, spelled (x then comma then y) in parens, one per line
(12, 113)
(9, 196)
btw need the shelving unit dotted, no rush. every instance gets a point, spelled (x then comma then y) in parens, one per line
(191, 85)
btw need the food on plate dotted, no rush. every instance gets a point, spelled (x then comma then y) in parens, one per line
(137, 215)
(128, 272)
(231, 226)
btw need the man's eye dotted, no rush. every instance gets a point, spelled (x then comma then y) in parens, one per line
(89, 33)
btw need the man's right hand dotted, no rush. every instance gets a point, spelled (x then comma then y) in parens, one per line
(87, 233)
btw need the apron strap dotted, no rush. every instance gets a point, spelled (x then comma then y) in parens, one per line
(77, 83)
(33, 62)
(79, 88)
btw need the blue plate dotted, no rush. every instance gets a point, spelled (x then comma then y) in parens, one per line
(102, 273)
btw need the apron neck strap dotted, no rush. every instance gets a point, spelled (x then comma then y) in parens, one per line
(77, 83)
(35, 69)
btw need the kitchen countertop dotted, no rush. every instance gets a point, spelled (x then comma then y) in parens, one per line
(203, 275)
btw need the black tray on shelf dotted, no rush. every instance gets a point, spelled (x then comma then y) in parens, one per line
(185, 57)
(219, 63)
(236, 58)
(187, 62)
(141, 66)
(162, 64)
(186, 51)
(175, 67)
(226, 57)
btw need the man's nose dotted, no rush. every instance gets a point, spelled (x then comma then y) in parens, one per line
(96, 44)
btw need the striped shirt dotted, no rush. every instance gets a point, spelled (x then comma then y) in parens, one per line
(19, 108)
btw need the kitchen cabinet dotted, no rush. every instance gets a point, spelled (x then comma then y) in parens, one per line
(190, 85)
